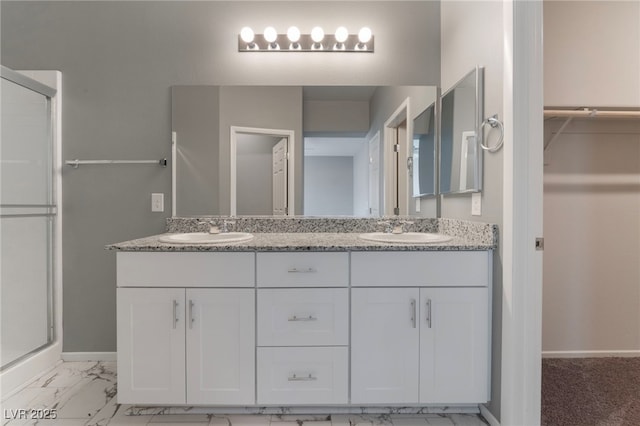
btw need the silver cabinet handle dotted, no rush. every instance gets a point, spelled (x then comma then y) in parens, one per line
(296, 318)
(191, 318)
(296, 378)
(413, 312)
(175, 313)
(302, 271)
(429, 313)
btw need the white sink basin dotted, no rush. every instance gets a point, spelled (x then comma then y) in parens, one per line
(405, 238)
(206, 238)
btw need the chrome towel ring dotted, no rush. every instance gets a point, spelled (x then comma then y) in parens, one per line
(493, 122)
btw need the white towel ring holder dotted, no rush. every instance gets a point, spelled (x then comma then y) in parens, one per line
(493, 122)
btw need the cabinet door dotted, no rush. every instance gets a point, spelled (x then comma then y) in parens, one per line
(151, 333)
(454, 345)
(221, 346)
(384, 345)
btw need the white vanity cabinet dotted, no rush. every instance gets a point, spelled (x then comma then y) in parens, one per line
(335, 329)
(183, 345)
(416, 344)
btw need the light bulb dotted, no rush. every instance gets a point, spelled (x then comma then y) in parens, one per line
(317, 34)
(246, 34)
(270, 34)
(341, 34)
(293, 33)
(364, 35)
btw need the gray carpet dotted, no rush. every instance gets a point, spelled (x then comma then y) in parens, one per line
(591, 391)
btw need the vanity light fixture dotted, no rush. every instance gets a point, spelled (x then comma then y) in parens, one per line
(294, 41)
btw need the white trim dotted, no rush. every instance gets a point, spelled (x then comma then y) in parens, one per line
(591, 354)
(290, 135)
(89, 356)
(522, 208)
(402, 113)
(488, 416)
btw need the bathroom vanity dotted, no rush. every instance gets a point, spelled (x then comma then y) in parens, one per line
(304, 319)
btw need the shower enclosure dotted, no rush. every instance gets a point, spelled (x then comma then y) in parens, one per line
(28, 218)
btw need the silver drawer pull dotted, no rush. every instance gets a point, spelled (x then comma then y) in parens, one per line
(296, 318)
(296, 378)
(302, 271)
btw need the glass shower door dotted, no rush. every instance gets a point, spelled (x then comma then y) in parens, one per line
(27, 213)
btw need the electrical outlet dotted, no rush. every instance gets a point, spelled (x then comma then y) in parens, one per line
(417, 205)
(476, 204)
(157, 202)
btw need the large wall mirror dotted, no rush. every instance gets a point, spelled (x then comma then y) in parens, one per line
(460, 138)
(334, 144)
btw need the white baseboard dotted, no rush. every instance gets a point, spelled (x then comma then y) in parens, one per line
(488, 415)
(89, 356)
(591, 354)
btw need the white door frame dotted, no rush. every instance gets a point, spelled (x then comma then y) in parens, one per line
(522, 213)
(289, 134)
(402, 113)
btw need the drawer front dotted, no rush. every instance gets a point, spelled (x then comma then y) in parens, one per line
(421, 269)
(308, 376)
(303, 269)
(192, 269)
(303, 317)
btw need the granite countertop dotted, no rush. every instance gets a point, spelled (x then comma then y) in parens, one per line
(300, 242)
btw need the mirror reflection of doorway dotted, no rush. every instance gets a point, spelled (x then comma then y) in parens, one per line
(260, 168)
(336, 176)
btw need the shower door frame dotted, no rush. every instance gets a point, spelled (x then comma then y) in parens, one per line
(18, 373)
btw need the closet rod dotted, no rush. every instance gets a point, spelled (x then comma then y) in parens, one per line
(593, 112)
(75, 163)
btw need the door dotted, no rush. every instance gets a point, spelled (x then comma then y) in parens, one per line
(280, 178)
(151, 358)
(220, 346)
(454, 345)
(384, 345)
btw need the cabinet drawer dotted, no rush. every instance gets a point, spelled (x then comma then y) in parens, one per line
(421, 269)
(192, 269)
(303, 317)
(303, 269)
(302, 375)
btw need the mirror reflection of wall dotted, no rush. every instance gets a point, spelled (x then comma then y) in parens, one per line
(254, 167)
(423, 156)
(336, 176)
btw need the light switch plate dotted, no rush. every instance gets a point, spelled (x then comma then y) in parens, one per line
(476, 204)
(157, 202)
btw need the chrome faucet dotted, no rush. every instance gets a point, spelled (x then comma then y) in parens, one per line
(395, 227)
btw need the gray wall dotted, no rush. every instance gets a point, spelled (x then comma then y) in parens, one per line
(119, 60)
(336, 117)
(472, 34)
(328, 185)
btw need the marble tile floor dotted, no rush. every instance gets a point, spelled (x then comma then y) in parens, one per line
(84, 394)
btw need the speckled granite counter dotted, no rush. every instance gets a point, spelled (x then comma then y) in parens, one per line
(320, 234)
